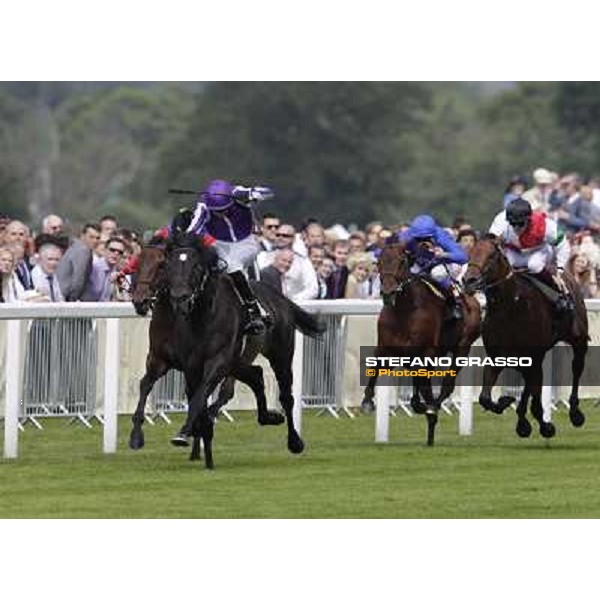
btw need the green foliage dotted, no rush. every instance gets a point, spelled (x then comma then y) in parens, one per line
(325, 147)
(339, 151)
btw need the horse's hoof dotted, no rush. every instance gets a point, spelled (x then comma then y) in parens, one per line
(180, 441)
(577, 418)
(523, 428)
(271, 418)
(295, 445)
(547, 430)
(136, 442)
(505, 401)
(367, 407)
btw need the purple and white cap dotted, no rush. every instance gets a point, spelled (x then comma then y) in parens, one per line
(218, 195)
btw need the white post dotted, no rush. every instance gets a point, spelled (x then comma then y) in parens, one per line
(465, 412)
(382, 412)
(11, 406)
(547, 388)
(111, 385)
(297, 370)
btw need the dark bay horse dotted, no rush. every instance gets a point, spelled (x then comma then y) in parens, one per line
(413, 322)
(520, 321)
(151, 292)
(207, 342)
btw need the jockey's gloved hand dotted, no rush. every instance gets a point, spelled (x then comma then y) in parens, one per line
(252, 194)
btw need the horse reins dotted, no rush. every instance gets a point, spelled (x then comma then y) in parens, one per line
(485, 270)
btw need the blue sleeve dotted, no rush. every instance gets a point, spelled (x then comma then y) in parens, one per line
(455, 253)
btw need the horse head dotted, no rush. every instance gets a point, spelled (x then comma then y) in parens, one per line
(488, 266)
(150, 277)
(188, 266)
(393, 267)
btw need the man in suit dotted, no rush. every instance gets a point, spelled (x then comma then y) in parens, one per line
(273, 274)
(76, 265)
(336, 284)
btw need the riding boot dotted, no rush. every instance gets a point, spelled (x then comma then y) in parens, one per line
(563, 303)
(254, 322)
(454, 304)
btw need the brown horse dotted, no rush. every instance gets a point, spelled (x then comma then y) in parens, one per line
(413, 322)
(520, 320)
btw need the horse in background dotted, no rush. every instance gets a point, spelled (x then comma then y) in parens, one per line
(520, 321)
(413, 323)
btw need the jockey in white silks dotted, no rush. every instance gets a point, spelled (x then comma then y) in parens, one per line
(533, 241)
(223, 212)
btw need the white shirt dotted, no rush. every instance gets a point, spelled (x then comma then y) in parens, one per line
(500, 227)
(12, 289)
(41, 283)
(300, 282)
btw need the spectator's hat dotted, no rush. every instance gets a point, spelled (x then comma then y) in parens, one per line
(542, 176)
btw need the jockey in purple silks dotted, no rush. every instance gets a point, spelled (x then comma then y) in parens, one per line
(223, 211)
(436, 255)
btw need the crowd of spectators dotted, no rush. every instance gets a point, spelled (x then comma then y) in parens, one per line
(314, 262)
(49, 267)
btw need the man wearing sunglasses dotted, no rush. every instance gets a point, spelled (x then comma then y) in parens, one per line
(533, 241)
(268, 231)
(300, 281)
(99, 286)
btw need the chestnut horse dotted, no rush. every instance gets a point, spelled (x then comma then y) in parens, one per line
(413, 322)
(520, 320)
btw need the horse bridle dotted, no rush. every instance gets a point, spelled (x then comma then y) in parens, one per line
(481, 281)
(402, 283)
(199, 288)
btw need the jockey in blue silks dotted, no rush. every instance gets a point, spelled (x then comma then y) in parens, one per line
(436, 255)
(223, 211)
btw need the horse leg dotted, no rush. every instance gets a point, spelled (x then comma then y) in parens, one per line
(226, 392)
(252, 376)
(547, 429)
(205, 431)
(155, 369)
(181, 439)
(195, 454)
(431, 410)
(490, 376)
(415, 400)
(214, 371)
(577, 366)
(281, 363)
(367, 405)
(523, 428)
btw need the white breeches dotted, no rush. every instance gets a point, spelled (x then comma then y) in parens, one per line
(238, 255)
(439, 273)
(535, 261)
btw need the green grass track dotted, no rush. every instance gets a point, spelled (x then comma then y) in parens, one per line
(62, 473)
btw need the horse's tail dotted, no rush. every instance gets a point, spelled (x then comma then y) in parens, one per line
(305, 322)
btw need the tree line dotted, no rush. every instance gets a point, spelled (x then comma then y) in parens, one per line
(337, 151)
